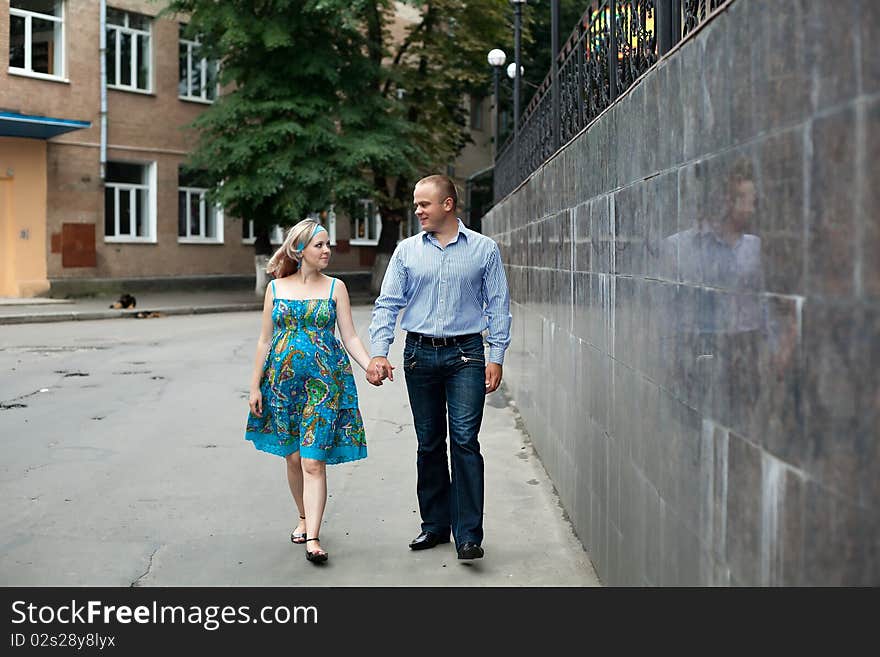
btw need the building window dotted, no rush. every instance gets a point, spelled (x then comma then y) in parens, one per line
(130, 202)
(198, 221)
(366, 224)
(128, 51)
(409, 226)
(476, 113)
(36, 37)
(197, 75)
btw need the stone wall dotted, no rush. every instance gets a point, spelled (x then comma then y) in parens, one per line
(696, 297)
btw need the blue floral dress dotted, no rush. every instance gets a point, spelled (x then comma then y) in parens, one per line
(310, 400)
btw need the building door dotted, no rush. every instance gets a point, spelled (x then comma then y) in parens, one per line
(8, 286)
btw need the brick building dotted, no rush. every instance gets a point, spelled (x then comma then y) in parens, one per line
(64, 229)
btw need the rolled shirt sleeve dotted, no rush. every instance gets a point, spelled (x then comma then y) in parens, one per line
(391, 299)
(497, 296)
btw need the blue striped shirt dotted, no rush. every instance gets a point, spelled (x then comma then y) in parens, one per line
(456, 290)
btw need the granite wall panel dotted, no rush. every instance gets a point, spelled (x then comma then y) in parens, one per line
(695, 284)
(780, 211)
(740, 22)
(832, 64)
(785, 80)
(831, 211)
(868, 13)
(869, 198)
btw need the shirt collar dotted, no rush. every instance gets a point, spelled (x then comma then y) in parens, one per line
(702, 236)
(463, 231)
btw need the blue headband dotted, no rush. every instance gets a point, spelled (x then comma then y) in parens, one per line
(302, 245)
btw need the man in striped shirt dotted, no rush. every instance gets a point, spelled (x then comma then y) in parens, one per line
(450, 284)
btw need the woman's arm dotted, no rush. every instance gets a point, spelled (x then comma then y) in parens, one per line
(350, 338)
(255, 398)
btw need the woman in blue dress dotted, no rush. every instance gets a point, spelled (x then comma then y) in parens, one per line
(303, 401)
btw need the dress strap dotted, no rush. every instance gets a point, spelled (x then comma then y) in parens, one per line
(332, 285)
(272, 283)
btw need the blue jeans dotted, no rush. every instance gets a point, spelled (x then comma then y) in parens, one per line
(440, 380)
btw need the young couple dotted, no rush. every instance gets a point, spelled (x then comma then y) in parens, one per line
(450, 283)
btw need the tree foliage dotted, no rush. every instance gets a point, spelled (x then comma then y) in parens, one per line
(329, 101)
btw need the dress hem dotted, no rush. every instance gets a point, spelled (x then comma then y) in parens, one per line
(339, 454)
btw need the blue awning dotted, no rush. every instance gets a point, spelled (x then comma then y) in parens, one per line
(37, 127)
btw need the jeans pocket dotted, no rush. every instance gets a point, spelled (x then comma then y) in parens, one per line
(469, 354)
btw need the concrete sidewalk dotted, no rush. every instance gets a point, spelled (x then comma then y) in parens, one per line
(181, 302)
(19, 311)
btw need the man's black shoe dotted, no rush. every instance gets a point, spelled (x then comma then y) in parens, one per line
(470, 550)
(427, 540)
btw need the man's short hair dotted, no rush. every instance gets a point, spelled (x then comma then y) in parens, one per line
(742, 170)
(445, 186)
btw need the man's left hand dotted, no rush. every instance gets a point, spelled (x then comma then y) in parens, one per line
(493, 377)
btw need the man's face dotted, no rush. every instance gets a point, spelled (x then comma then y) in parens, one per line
(431, 210)
(743, 203)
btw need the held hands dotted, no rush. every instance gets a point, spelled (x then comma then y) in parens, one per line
(255, 401)
(493, 377)
(378, 370)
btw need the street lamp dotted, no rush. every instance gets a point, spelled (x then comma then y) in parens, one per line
(517, 30)
(496, 61)
(511, 71)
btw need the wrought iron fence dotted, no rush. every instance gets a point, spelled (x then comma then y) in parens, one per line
(694, 12)
(614, 42)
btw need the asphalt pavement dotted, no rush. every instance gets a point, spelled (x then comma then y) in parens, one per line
(125, 465)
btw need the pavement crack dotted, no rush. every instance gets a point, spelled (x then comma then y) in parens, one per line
(11, 403)
(237, 351)
(400, 427)
(137, 582)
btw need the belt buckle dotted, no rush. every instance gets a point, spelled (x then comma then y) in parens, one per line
(438, 342)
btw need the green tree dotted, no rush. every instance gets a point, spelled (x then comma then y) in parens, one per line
(440, 60)
(294, 130)
(322, 105)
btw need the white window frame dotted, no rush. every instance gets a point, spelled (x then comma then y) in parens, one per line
(28, 42)
(366, 221)
(192, 45)
(135, 34)
(331, 225)
(203, 219)
(150, 186)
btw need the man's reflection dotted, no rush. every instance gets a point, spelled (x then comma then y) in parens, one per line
(717, 317)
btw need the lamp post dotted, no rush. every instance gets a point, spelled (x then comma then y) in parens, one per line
(496, 61)
(517, 31)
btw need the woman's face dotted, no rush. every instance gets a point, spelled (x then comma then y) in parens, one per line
(317, 252)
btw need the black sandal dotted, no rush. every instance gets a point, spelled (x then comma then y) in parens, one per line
(316, 557)
(299, 539)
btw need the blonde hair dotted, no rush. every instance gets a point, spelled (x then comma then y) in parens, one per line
(286, 259)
